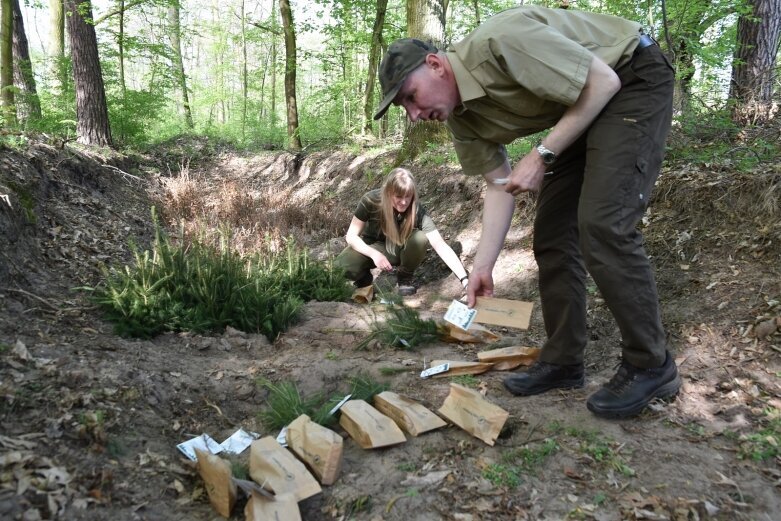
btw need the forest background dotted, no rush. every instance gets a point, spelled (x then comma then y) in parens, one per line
(278, 74)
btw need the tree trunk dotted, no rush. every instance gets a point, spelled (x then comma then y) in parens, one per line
(92, 124)
(293, 134)
(28, 106)
(244, 81)
(57, 68)
(6, 63)
(753, 69)
(425, 21)
(175, 33)
(374, 59)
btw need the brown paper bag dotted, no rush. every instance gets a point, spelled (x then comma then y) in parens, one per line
(320, 448)
(411, 416)
(364, 295)
(503, 312)
(273, 466)
(368, 426)
(283, 508)
(458, 367)
(476, 334)
(473, 413)
(216, 474)
(506, 358)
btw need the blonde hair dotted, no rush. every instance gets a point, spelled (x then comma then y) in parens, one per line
(399, 183)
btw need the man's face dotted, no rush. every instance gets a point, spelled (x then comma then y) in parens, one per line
(428, 93)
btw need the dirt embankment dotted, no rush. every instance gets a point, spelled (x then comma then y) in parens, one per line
(89, 421)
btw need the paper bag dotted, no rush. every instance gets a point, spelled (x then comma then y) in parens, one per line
(411, 416)
(507, 358)
(368, 426)
(458, 367)
(283, 508)
(216, 474)
(476, 333)
(273, 466)
(473, 413)
(503, 312)
(364, 295)
(320, 448)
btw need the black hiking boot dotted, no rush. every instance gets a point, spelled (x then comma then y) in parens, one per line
(632, 388)
(543, 376)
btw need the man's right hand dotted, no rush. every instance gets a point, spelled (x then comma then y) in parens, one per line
(481, 284)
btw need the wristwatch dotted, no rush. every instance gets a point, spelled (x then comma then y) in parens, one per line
(548, 156)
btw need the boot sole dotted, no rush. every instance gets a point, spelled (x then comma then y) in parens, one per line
(569, 384)
(668, 390)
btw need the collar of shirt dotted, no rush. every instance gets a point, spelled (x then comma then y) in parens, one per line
(468, 87)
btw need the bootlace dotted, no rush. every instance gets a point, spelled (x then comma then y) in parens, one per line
(623, 378)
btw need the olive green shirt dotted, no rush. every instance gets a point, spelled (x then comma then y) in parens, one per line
(368, 211)
(521, 69)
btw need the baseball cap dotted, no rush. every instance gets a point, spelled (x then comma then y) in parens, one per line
(403, 57)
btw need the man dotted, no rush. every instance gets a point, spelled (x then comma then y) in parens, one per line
(604, 90)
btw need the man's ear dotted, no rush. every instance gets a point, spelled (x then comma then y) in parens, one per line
(434, 61)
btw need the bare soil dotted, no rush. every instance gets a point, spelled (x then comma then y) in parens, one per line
(89, 421)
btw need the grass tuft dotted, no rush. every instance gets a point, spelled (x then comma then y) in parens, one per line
(402, 327)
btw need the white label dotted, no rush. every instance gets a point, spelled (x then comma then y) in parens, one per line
(203, 442)
(282, 437)
(442, 368)
(339, 405)
(238, 442)
(460, 315)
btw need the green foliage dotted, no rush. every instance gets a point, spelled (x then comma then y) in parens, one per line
(203, 289)
(502, 475)
(764, 443)
(528, 458)
(285, 402)
(135, 116)
(467, 380)
(602, 450)
(402, 327)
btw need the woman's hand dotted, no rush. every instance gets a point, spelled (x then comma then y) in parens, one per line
(381, 261)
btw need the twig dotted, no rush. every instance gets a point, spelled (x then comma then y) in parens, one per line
(23, 292)
(124, 174)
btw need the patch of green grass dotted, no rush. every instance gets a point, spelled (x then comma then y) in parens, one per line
(502, 475)
(406, 466)
(601, 449)
(529, 458)
(392, 371)
(763, 444)
(467, 380)
(4, 348)
(331, 355)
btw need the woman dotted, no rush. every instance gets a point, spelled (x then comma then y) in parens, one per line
(391, 228)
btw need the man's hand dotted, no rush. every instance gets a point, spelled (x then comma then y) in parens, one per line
(381, 261)
(526, 175)
(481, 284)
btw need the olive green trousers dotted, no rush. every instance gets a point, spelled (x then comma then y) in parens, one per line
(407, 257)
